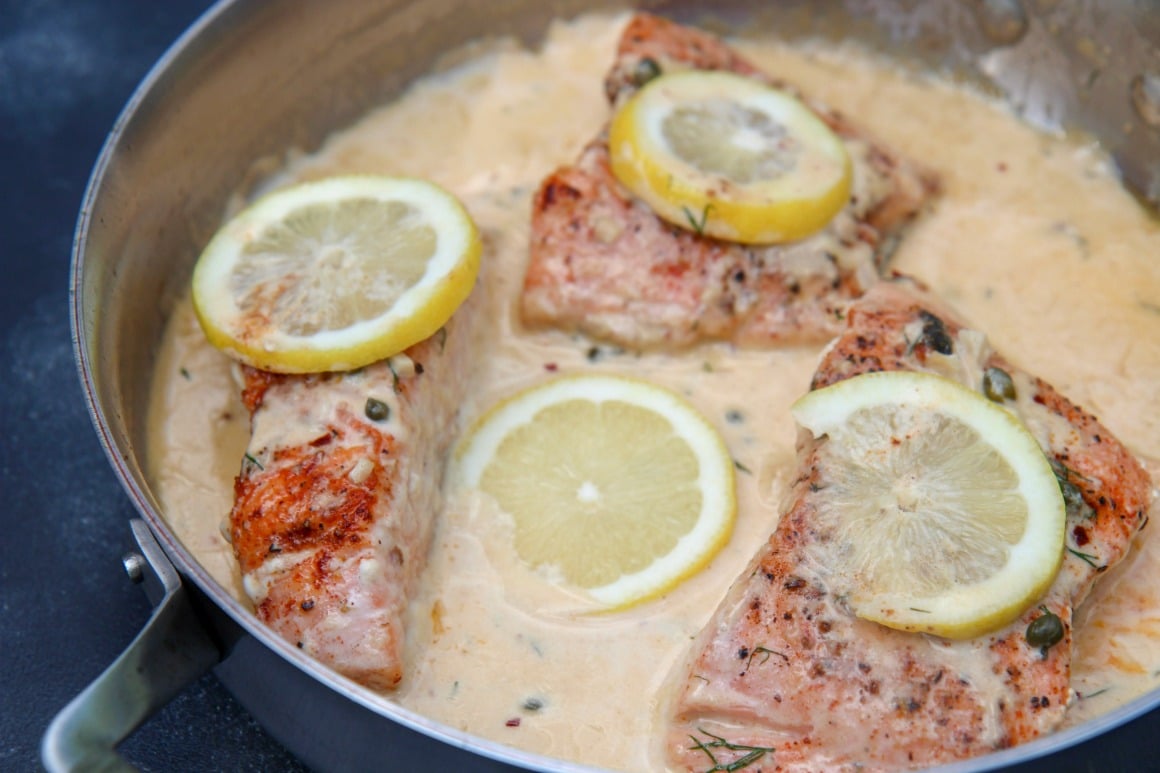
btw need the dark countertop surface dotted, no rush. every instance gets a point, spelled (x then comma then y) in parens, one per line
(66, 69)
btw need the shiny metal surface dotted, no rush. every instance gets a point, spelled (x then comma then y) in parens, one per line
(172, 650)
(254, 81)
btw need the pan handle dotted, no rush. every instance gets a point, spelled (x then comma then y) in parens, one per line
(170, 652)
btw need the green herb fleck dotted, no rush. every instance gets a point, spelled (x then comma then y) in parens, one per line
(441, 334)
(698, 226)
(759, 650)
(715, 742)
(1087, 558)
(186, 374)
(916, 609)
(1086, 695)
(250, 458)
(394, 376)
(742, 467)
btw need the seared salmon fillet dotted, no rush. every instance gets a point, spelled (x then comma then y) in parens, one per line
(603, 264)
(335, 502)
(786, 674)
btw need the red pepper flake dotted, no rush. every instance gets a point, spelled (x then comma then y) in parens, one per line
(551, 367)
(513, 722)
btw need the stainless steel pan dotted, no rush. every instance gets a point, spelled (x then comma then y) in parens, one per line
(254, 79)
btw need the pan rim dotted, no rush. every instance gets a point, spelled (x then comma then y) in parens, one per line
(191, 569)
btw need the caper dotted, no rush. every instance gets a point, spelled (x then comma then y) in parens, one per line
(997, 385)
(377, 410)
(1045, 631)
(1072, 496)
(934, 333)
(646, 69)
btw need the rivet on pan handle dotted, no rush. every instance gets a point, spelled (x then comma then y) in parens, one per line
(172, 650)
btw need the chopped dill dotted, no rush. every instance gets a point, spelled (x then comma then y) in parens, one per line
(186, 374)
(698, 226)
(916, 609)
(751, 753)
(742, 467)
(250, 458)
(1087, 558)
(759, 650)
(1086, 695)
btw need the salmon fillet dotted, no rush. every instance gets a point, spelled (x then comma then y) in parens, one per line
(603, 264)
(785, 674)
(335, 502)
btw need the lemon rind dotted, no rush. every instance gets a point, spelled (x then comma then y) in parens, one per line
(974, 609)
(762, 213)
(694, 550)
(419, 313)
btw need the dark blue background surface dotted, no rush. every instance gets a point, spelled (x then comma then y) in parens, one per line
(66, 607)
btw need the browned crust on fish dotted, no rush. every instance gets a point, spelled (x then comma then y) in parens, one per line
(784, 665)
(601, 262)
(331, 531)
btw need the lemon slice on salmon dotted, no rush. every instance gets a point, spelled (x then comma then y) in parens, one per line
(942, 512)
(616, 487)
(729, 157)
(336, 274)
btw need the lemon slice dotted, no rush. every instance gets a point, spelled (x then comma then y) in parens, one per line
(336, 274)
(941, 510)
(729, 157)
(616, 487)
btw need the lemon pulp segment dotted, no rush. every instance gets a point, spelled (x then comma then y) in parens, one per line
(336, 274)
(729, 157)
(942, 511)
(615, 486)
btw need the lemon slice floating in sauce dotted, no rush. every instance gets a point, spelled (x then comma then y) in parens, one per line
(616, 486)
(336, 274)
(943, 512)
(729, 157)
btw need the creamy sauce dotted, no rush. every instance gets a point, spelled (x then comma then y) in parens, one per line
(1033, 241)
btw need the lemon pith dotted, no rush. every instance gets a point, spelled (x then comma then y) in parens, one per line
(943, 509)
(336, 274)
(729, 157)
(615, 486)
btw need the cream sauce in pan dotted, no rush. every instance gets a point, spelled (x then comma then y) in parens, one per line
(1033, 240)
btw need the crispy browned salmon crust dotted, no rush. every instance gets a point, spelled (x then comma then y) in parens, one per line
(784, 666)
(602, 263)
(336, 499)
